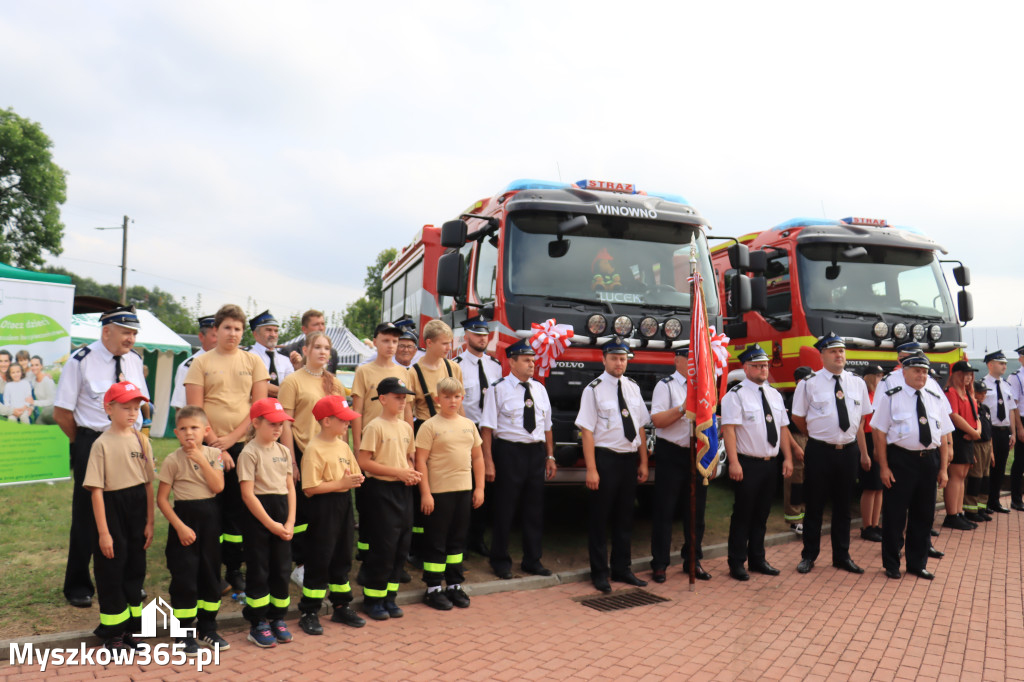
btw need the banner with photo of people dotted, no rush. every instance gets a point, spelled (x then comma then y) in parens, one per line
(35, 342)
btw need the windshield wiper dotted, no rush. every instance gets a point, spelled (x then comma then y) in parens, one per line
(584, 301)
(855, 312)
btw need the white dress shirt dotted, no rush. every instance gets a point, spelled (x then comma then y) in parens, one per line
(670, 393)
(992, 400)
(503, 410)
(281, 363)
(742, 407)
(178, 397)
(471, 381)
(815, 400)
(600, 413)
(86, 378)
(896, 415)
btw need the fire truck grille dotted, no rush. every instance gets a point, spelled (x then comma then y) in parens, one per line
(624, 599)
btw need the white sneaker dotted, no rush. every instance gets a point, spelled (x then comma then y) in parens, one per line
(298, 574)
(797, 528)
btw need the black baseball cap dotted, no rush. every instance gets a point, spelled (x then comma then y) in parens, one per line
(386, 328)
(392, 385)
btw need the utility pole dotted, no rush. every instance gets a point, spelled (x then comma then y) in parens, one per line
(124, 258)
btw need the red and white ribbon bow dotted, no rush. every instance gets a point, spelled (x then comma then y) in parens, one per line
(549, 340)
(718, 347)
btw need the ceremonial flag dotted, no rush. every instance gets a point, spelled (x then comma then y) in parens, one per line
(701, 393)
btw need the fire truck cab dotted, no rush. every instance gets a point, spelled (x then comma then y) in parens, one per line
(874, 284)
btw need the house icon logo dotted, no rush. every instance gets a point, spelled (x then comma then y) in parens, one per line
(158, 608)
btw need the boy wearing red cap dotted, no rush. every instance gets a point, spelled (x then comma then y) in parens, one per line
(268, 491)
(119, 478)
(329, 471)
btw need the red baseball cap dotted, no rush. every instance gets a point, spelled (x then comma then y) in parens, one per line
(122, 392)
(334, 406)
(270, 409)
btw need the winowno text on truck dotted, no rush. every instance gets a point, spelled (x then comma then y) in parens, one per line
(876, 285)
(603, 257)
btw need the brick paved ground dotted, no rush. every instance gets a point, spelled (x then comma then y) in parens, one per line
(965, 625)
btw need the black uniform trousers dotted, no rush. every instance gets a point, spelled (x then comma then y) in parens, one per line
(387, 521)
(481, 517)
(672, 483)
(444, 537)
(268, 563)
(518, 485)
(195, 569)
(1001, 452)
(82, 540)
(1017, 474)
(232, 515)
(751, 509)
(119, 580)
(416, 547)
(300, 538)
(910, 502)
(829, 474)
(328, 551)
(612, 502)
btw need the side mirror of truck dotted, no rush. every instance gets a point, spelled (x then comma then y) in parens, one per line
(739, 257)
(453, 234)
(962, 275)
(451, 274)
(758, 262)
(740, 295)
(759, 292)
(965, 305)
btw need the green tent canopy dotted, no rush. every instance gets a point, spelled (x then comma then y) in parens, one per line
(11, 272)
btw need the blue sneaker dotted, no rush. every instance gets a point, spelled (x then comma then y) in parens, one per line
(376, 610)
(261, 636)
(280, 631)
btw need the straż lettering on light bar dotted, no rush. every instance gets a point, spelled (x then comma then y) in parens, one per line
(605, 186)
(873, 222)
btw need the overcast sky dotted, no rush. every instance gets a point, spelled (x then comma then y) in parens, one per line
(267, 151)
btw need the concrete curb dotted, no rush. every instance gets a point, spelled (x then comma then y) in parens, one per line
(236, 622)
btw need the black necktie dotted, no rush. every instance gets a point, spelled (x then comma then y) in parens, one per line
(1000, 408)
(273, 369)
(844, 416)
(628, 429)
(769, 420)
(482, 378)
(924, 432)
(118, 374)
(529, 415)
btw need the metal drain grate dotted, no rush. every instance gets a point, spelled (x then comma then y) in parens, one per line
(626, 599)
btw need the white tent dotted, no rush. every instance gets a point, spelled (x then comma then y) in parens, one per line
(154, 337)
(351, 351)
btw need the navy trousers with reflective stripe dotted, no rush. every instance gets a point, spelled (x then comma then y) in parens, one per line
(329, 540)
(232, 513)
(387, 519)
(195, 568)
(268, 563)
(119, 580)
(444, 537)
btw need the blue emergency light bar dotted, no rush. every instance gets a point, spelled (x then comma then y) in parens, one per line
(595, 185)
(794, 223)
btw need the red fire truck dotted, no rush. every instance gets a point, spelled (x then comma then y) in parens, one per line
(874, 284)
(603, 257)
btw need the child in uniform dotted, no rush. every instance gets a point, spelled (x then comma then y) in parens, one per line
(449, 457)
(195, 474)
(265, 479)
(329, 471)
(386, 454)
(976, 487)
(120, 480)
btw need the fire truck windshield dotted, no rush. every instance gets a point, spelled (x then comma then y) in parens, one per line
(612, 259)
(873, 279)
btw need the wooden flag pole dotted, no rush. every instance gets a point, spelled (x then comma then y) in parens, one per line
(693, 434)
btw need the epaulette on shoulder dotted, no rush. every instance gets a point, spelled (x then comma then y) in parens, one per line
(188, 363)
(736, 388)
(667, 380)
(633, 380)
(457, 358)
(594, 383)
(137, 352)
(894, 390)
(247, 349)
(498, 381)
(928, 390)
(81, 353)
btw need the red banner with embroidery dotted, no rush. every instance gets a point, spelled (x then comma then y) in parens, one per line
(701, 393)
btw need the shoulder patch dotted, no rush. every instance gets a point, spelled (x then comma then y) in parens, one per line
(81, 352)
(736, 388)
(457, 358)
(188, 363)
(667, 380)
(893, 391)
(498, 381)
(928, 390)
(594, 383)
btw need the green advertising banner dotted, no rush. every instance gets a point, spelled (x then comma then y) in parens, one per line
(32, 454)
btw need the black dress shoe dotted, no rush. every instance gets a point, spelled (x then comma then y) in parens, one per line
(848, 565)
(602, 585)
(934, 533)
(536, 570)
(739, 573)
(479, 547)
(629, 579)
(658, 575)
(1019, 506)
(503, 575)
(700, 573)
(765, 568)
(922, 573)
(893, 573)
(975, 517)
(934, 553)
(999, 508)
(80, 602)
(804, 566)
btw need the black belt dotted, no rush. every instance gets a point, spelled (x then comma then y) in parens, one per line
(1000, 428)
(832, 446)
(916, 453)
(85, 430)
(766, 458)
